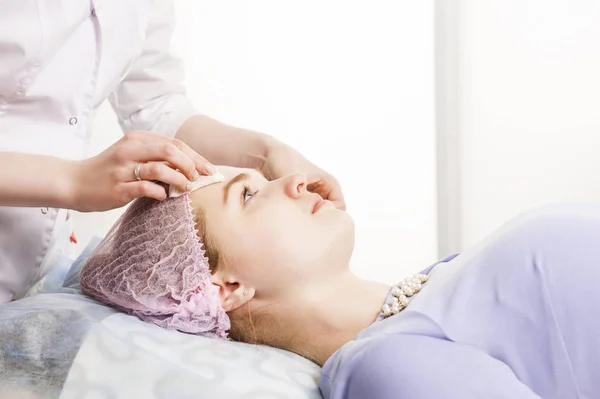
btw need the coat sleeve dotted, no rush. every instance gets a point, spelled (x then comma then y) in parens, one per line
(413, 366)
(152, 96)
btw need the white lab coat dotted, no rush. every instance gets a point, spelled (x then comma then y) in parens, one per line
(59, 60)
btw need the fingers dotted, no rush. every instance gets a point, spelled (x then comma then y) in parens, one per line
(337, 198)
(200, 163)
(162, 172)
(329, 188)
(167, 152)
(144, 188)
(176, 152)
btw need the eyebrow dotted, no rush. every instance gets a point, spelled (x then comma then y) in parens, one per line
(237, 179)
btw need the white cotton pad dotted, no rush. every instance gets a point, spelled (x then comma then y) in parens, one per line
(202, 181)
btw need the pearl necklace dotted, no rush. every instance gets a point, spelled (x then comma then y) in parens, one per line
(401, 292)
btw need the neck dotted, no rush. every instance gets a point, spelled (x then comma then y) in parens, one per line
(334, 315)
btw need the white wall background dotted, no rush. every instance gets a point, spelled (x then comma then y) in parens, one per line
(528, 102)
(348, 83)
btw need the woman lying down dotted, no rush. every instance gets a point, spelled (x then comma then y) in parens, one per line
(267, 262)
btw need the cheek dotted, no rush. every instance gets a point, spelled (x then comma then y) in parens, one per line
(242, 249)
(291, 240)
(265, 244)
(284, 244)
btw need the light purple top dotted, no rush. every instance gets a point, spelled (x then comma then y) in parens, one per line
(515, 317)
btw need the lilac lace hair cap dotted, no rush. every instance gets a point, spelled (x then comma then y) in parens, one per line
(152, 265)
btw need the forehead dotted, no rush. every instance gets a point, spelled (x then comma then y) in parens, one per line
(230, 172)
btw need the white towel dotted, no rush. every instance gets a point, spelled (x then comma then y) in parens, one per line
(202, 181)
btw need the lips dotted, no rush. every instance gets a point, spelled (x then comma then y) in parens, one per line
(318, 200)
(319, 203)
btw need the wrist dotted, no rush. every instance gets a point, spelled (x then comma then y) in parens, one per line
(67, 184)
(258, 148)
(269, 145)
(42, 181)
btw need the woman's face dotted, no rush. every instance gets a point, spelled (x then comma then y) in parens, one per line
(274, 235)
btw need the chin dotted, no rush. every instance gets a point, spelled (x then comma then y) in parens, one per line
(342, 233)
(346, 222)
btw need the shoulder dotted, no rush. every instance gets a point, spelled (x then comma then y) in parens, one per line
(407, 366)
(545, 239)
(546, 221)
(377, 368)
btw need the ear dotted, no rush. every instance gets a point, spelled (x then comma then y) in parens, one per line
(233, 293)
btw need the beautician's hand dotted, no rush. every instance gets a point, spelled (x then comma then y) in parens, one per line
(283, 160)
(127, 169)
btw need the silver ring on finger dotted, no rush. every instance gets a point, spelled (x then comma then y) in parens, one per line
(137, 170)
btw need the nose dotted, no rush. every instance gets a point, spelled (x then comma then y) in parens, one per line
(295, 185)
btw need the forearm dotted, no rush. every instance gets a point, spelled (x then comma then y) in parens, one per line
(222, 144)
(35, 180)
